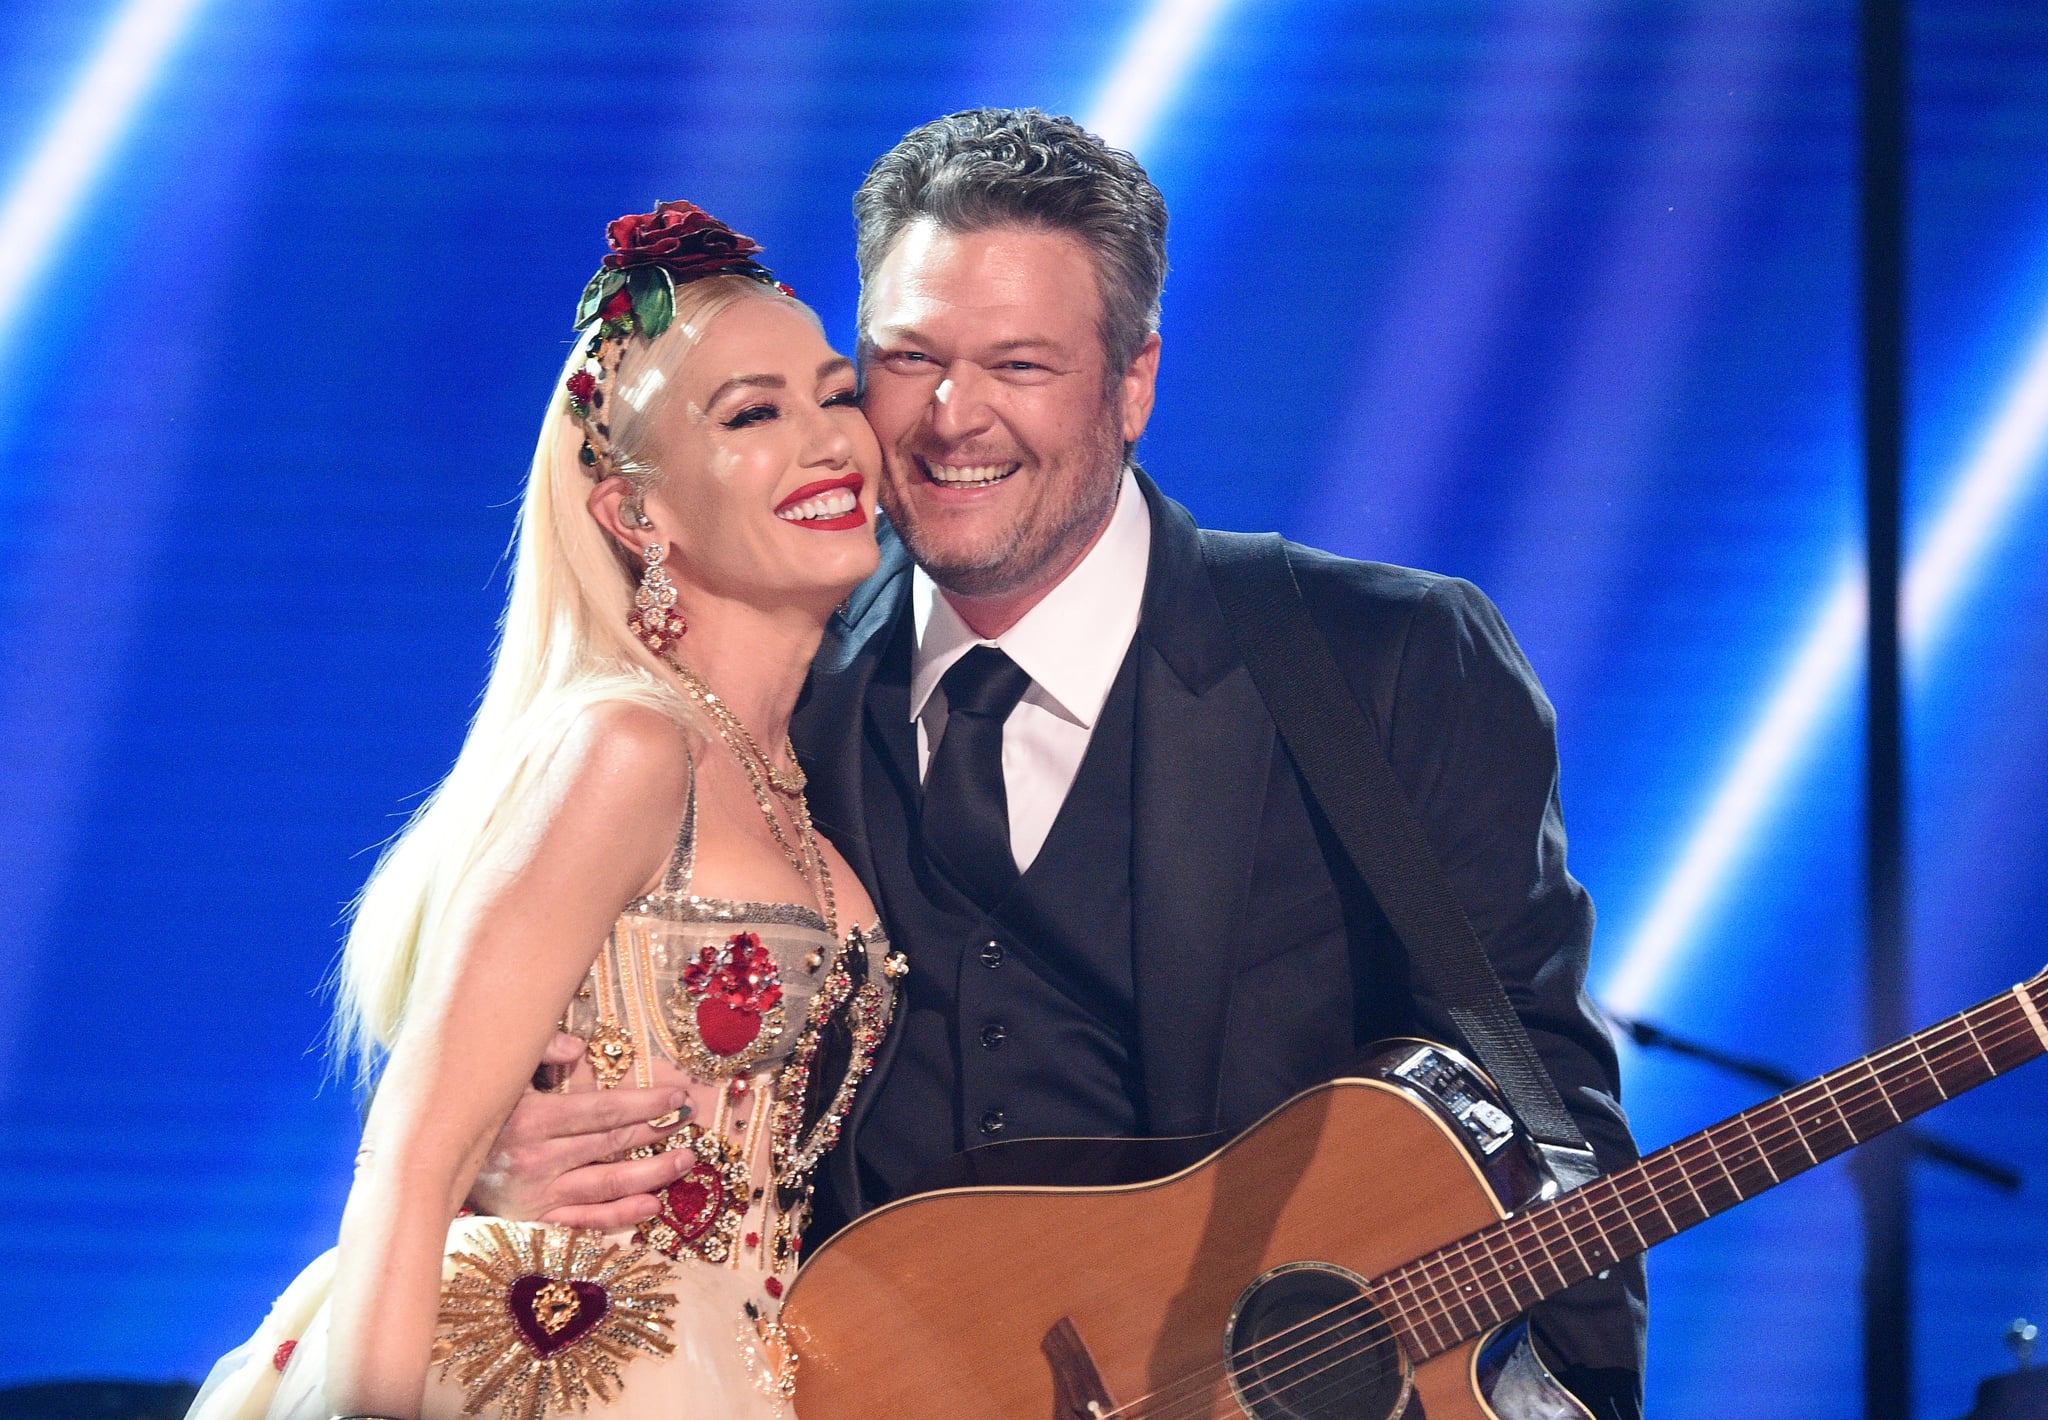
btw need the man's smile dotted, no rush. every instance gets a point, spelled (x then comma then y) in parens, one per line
(962, 475)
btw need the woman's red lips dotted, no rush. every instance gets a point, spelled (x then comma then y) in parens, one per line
(852, 519)
(824, 485)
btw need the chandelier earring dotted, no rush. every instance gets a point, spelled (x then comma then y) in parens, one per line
(655, 619)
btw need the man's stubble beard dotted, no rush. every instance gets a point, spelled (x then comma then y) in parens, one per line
(1024, 551)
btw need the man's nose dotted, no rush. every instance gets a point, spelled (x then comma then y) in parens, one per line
(959, 402)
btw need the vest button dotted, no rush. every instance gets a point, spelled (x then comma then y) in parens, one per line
(994, 1034)
(992, 1121)
(992, 954)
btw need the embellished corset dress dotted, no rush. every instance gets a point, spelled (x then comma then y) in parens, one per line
(768, 1023)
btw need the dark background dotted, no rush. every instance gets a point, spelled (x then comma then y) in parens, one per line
(1557, 295)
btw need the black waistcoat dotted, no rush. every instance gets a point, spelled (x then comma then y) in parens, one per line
(1018, 1022)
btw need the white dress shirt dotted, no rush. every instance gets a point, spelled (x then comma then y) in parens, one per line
(1071, 645)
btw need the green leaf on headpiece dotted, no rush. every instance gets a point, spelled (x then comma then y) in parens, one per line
(654, 299)
(596, 294)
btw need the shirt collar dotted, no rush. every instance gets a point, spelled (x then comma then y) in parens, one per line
(1073, 642)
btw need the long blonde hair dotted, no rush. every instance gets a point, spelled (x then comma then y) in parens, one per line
(563, 647)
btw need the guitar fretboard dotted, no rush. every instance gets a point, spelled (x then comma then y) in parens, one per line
(1477, 1283)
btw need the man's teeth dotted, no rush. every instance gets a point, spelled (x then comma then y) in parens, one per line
(835, 504)
(969, 475)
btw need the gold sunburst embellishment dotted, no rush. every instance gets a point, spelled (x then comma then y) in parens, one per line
(537, 1320)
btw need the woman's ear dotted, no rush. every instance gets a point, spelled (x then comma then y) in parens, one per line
(620, 511)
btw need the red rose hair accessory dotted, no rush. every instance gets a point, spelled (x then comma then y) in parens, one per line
(634, 293)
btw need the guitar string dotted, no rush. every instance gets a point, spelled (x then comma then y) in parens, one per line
(1617, 1198)
(1622, 1194)
(1440, 1273)
(1598, 1202)
(1947, 1050)
(1641, 1178)
(1778, 1137)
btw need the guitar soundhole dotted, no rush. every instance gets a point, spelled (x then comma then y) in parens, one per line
(1306, 1344)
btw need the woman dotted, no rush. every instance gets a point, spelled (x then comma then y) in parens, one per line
(622, 848)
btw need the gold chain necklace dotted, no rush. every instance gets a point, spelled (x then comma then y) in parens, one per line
(788, 785)
(803, 855)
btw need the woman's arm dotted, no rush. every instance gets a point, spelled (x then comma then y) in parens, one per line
(518, 940)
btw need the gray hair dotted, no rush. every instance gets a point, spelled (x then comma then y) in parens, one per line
(999, 167)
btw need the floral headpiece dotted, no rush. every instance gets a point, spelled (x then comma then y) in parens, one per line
(634, 292)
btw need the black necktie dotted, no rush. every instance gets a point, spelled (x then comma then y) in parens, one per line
(966, 811)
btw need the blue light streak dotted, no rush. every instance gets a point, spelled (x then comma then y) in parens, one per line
(54, 181)
(1986, 494)
(1154, 64)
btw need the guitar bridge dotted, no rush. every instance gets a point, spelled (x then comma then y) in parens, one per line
(1077, 1385)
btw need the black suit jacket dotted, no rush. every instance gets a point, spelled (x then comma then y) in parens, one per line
(1262, 965)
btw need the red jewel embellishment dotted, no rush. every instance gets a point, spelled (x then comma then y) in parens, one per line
(552, 1314)
(693, 1202)
(282, 1356)
(753, 1239)
(773, 1286)
(733, 987)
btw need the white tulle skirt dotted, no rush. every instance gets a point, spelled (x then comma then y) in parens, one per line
(718, 1367)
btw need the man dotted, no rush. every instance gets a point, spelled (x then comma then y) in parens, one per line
(1032, 736)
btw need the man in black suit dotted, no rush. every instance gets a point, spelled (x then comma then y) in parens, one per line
(1032, 736)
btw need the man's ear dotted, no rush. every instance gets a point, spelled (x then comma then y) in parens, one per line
(1139, 383)
(617, 506)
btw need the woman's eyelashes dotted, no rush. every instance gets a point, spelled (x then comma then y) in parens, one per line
(762, 413)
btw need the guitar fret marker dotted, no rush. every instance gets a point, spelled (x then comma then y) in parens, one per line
(1798, 1130)
(1915, 1043)
(2019, 994)
(1757, 1144)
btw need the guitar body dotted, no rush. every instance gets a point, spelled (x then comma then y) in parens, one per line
(1026, 1303)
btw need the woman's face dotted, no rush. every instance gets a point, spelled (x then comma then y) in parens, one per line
(767, 470)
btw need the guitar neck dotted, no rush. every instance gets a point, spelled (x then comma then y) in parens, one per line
(1498, 1273)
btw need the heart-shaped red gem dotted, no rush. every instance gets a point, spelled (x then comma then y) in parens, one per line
(553, 1314)
(726, 1029)
(692, 1203)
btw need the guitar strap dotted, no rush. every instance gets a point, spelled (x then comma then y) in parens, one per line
(1334, 743)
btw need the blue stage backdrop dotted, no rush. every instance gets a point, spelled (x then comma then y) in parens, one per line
(1557, 295)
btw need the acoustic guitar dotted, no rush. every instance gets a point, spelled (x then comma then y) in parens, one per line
(1363, 1252)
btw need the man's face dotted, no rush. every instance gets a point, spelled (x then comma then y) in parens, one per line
(1002, 433)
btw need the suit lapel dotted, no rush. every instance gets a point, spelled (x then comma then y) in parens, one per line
(1201, 759)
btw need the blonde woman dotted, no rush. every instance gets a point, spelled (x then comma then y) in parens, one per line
(623, 850)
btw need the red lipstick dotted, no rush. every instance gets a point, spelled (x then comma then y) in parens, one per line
(852, 519)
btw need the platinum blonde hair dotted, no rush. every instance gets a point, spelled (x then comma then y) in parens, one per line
(563, 647)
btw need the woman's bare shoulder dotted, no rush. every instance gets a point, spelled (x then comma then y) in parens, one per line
(620, 776)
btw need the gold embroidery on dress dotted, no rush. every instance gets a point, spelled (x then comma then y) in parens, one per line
(537, 1320)
(770, 1355)
(610, 1047)
(700, 1213)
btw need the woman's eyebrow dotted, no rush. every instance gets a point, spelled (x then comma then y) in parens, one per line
(770, 382)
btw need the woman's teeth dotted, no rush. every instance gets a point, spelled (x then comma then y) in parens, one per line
(836, 504)
(969, 475)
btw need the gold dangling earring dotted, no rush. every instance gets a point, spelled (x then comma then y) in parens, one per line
(655, 619)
